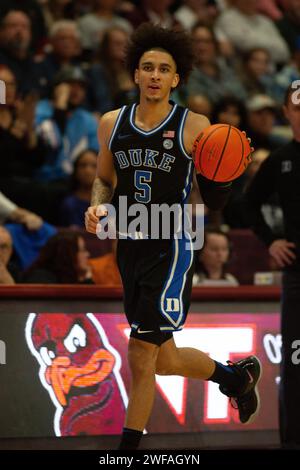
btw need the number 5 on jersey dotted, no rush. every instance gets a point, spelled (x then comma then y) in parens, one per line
(141, 178)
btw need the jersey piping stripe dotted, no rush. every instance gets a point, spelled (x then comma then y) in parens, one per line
(165, 121)
(116, 126)
(170, 328)
(180, 137)
(185, 273)
(177, 275)
(168, 283)
(188, 182)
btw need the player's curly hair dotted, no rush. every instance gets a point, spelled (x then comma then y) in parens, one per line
(177, 43)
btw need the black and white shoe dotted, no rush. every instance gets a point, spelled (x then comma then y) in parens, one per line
(246, 400)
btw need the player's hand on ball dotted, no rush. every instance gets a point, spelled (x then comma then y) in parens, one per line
(221, 153)
(249, 158)
(92, 216)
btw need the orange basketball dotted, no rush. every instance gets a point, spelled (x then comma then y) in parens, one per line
(221, 153)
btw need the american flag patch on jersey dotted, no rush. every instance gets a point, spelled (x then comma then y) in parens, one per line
(169, 134)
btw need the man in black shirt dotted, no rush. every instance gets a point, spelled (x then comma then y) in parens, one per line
(280, 173)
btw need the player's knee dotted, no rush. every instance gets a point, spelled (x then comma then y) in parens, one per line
(142, 357)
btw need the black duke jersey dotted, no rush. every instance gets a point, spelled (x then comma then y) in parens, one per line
(152, 166)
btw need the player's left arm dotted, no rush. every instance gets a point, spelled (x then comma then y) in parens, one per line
(215, 195)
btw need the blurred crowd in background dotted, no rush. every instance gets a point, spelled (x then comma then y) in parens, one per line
(63, 65)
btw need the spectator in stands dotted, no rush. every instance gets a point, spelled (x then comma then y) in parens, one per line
(15, 40)
(33, 9)
(65, 126)
(230, 110)
(194, 11)
(211, 76)
(270, 8)
(211, 262)
(289, 24)
(261, 121)
(56, 10)
(21, 150)
(154, 11)
(256, 73)
(9, 273)
(63, 260)
(289, 73)
(110, 82)
(10, 212)
(247, 29)
(74, 206)
(103, 17)
(198, 104)
(65, 45)
(105, 271)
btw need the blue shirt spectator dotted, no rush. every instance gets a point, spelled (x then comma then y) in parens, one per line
(65, 126)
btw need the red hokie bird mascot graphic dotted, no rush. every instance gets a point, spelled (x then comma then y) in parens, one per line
(80, 370)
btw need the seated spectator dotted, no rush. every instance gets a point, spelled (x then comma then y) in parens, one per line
(289, 24)
(33, 9)
(56, 10)
(211, 77)
(65, 49)
(261, 118)
(289, 73)
(28, 242)
(15, 41)
(256, 73)
(211, 262)
(270, 8)
(9, 273)
(105, 271)
(74, 206)
(110, 82)
(22, 152)
(199, 104)
(246, 29)
(230, 110)
(64, 125)
(19, 144)
(153, 11)
(10, 212)
(103, 17)
(193, 11)
(63, 260)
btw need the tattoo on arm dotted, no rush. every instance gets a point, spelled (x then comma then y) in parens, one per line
(101, 192)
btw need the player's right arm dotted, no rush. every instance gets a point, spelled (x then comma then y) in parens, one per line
(106, 178)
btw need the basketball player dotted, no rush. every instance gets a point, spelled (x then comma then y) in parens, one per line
(146, 156)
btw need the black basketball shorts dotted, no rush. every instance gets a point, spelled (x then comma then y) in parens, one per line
(157, 281)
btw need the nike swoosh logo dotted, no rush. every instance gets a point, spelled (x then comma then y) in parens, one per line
(161, 255)
(144, 331)
(123, 136)
(250, 377)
